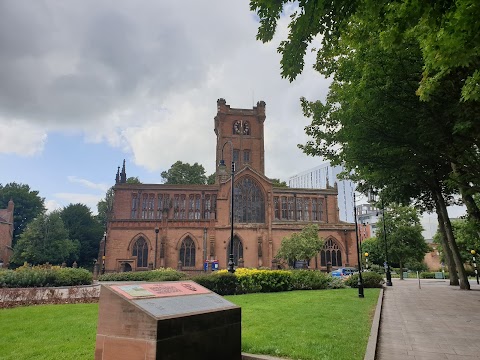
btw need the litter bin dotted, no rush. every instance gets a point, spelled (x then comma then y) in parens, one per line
(405, 274)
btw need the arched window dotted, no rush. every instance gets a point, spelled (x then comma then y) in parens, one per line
(237, 250)
(249, 202)
(140, 250)
(187, 252)
(331, 253)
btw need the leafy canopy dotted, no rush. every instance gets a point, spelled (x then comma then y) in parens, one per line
(300, 246)
(184, 173)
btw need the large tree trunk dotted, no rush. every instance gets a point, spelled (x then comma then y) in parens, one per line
(446, 249)
(462, 275)
(401, 270)
(472, 208)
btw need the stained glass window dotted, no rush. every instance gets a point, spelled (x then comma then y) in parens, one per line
(187, 252)
(237, 250)
(140, 250)
(331, 253)
(249, 202)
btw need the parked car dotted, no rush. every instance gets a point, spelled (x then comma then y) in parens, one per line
(344, 272)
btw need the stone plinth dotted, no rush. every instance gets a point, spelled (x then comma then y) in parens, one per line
(167, 320)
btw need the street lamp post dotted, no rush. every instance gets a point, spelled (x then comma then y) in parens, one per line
(104, 251)
(222, 168)
(156, 247)
(387, 267)
(360, 280)
(473, 252)
(366, 261)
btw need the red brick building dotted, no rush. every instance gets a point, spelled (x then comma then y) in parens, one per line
(158, 225)
(6, 234)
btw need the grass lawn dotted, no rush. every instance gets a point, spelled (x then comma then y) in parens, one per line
(323, 324)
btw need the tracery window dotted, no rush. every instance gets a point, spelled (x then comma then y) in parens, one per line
(246, 156)
(276, 206)
(320, 209)
(187, 252)
(331, 253)
(237, 250)
(133, 213)
(314, 210)
(249, 202)
(140, 250)
(144, 206)
(236, 153)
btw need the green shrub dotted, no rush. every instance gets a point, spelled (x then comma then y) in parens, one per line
(152, 275)
(335, 283)
(222, 283)
(309, 280)
(272, 280)
(370, 280)
(40, 276)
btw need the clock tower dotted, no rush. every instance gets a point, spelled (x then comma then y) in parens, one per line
(244, 129)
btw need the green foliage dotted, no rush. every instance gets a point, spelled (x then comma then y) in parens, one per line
(300, 246)
(376, 254)
(184, 173)
(84, 228)
(336, 283)
(28, 205)
(370, 280)
(312, 280)
(211, 179)
(41, 276)
(45, 240)
(278, 183)
(223, 283)
(166, 274)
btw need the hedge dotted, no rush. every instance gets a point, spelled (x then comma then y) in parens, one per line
(41, 276)
(162, 274)
(370, 280)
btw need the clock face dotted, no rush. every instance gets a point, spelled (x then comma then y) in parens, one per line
(246, 128)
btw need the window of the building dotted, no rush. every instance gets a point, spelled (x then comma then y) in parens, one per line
(187, 252)
(299, 208)
(331, 253)
(284, 208)
(214, 206)
(144, 206)
(133, 213)
(197, 207)
(160, 206)
(183, 205)
(236, 153)
(140, 250)
(249, 202)
(246, 128)
(276, 205)
(291, 210)
(306, 212)
(151, 206)
(237, 250)
(314, 210)
(207, 207)
(246, 156)
(237, 127)
(191, 206)
(176, 206)
(320, 209)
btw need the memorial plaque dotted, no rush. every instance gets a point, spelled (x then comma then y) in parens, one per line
(167, 320)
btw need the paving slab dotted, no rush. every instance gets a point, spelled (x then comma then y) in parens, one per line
(432, 320)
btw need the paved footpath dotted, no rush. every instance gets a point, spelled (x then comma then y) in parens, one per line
(435, 322)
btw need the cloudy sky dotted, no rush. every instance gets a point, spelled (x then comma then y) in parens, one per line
(85, 84)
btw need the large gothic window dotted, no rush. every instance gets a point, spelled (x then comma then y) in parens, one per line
(140, 250)
(249, 202)
(237, 250)
(187, 252)
(331, 253)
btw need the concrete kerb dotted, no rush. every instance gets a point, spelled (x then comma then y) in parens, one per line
(246, 356)
(373, 338)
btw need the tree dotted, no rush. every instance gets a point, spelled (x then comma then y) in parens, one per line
(278, 183)
(105, 205)
(211, 179)
(300, 246)
(84, 228)
(184, 173)
(45, 240)
(403, 235)
(372, 246)
(28, 205)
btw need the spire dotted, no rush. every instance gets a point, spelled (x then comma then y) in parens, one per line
(123, 174)
(117, 178)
